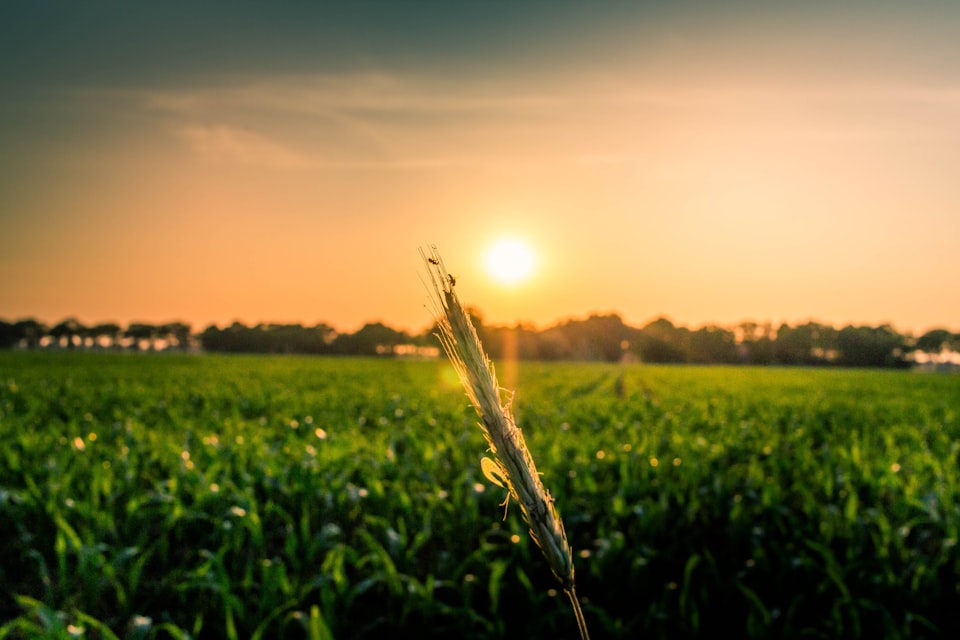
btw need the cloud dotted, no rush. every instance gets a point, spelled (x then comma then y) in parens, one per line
(376, 120)
(324, 94)
(225, 144)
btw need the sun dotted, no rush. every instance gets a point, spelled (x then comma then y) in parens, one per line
(510, 261)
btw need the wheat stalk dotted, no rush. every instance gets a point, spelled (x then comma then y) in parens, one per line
(512, 466)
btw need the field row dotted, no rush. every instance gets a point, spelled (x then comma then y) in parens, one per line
(206, 496)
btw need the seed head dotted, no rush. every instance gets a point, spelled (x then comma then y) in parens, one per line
(512, 464)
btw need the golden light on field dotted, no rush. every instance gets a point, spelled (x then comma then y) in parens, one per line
(509, 261)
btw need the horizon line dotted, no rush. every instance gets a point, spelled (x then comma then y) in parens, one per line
(200, 327)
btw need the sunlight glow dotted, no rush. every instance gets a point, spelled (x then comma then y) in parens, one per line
(509, 261)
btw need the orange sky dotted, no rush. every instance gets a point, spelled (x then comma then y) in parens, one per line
(774, 163)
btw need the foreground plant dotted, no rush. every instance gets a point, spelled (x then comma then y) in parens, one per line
(512, 466)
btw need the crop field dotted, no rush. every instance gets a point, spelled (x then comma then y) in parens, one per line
(199, 496)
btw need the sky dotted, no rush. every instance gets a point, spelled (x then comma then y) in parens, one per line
(711, 162)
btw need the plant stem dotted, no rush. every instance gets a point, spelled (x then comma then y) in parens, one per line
(512, 466)
(578, 613)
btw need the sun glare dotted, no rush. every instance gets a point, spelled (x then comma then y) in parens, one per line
(509, 261)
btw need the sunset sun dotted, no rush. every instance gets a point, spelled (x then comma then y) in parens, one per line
(509, 261)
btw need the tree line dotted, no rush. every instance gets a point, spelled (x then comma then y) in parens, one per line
(608, 338)
(70, 333)
(597, 337)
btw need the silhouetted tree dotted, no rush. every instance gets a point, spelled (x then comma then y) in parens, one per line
(269, 338)
(30, 332)
(936, 341)
(211, 339)
(140, 332)
(794, 345)
(712, 345)
(8, 335)
(824, 343)
(553, 344)
(661, 341)
(809, 343)
(177, 334)
(870, 347)
(598, 337)
(316, 339)
(109, 330)
(67, 333)
(521, 341)
(372, 339)
(755, 342)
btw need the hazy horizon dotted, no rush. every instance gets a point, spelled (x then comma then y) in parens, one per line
(197, 327)
(711, 164)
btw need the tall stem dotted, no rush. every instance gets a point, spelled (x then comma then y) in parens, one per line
(512, 466)
(578, 613)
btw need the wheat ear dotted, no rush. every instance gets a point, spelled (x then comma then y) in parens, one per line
(512, 466)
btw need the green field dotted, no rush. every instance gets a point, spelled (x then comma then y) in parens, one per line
(156, 496)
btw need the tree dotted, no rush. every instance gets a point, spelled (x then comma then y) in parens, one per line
(598, 337)
(270, 338)
(140, 332)
(30, 332)
(212, 339)
(794, 345)
(177, 334)
(755, 342)
(109, 331)
(8, 335)
(935, 341)
(824, 343)
(67, 333)
(713, 345)
(372, 339)
(661, 341)
(870, 347)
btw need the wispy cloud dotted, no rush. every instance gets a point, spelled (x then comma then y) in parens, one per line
(393, 93)
(225, 144)
(393, 121)
(360, 92)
